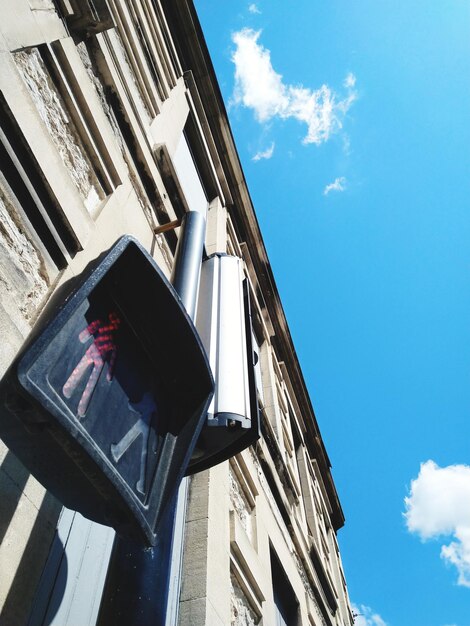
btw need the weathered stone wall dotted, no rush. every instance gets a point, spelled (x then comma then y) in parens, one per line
(23, 279)
(240, 505)
(53, 112)
(241, 612)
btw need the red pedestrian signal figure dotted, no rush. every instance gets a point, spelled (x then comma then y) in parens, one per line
(102, 350)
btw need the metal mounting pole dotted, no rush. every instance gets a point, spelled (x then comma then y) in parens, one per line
(188, 259)
(137, 587)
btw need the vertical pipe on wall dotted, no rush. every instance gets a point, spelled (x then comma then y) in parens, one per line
(187, 267)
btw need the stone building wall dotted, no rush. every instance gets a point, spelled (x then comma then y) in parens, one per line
(111, 123)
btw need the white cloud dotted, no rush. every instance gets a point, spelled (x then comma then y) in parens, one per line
(350, 81)
(264, 154)
(339, 184)
(254, 9)
(259, 87)
(439, 506)
(365, 616)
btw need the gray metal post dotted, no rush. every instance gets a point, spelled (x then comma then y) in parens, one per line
(142, 582)
(188, 257)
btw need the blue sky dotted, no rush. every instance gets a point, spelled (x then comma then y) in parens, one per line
(352, 121)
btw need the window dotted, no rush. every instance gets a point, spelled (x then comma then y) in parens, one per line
(23, 175)
(285, 601)
(189, 178)
(258, 375)
(53, 112)
(148, 49)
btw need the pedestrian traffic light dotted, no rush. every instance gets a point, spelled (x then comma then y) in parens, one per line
(224, 324)
(105, 406)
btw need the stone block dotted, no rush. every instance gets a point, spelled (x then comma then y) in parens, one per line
(195, 560)
(193, 613)
(198, 503)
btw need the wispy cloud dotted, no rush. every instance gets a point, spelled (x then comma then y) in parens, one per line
(438, 506)
(350, 81)
(365, 616)
(254, 9)
(264, 154)
(259, 87)
(339, 184)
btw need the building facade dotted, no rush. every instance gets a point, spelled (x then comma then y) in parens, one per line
(112, 123)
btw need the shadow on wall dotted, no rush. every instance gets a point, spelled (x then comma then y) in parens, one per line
(16, 510)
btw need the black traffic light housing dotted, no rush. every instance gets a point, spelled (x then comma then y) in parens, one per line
(105, 406)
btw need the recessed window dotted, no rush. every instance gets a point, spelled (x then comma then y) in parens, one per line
(188, 177)
(23, 175)
(286, 603)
